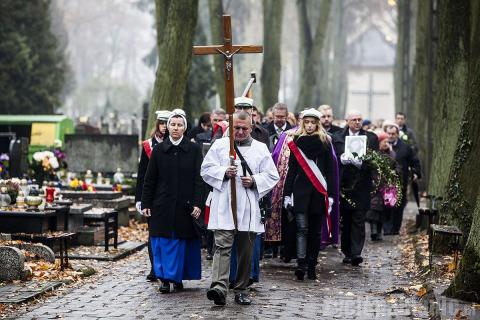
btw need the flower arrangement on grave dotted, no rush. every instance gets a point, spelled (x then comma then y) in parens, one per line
(387, 180)
(4, 165)
(12, 187)
(46, 164)
(80, 185)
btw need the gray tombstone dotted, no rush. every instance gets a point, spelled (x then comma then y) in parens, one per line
(38, 250)
(102, 152)
(12, 264)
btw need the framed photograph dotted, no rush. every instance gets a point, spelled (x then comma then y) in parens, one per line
(356, 146)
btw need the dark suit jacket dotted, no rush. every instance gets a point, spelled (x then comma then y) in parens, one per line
(407, 159)
(271, 128)
(334, 129)
(356, 184)
(272, 134)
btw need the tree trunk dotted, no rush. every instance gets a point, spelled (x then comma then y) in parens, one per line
(175, 53)
(449, 106)
(200, 83)
(421, 113)
(215, 8)
(312, 59)
(466, 284)
(399, 61)
(338, 85)
(271, 67)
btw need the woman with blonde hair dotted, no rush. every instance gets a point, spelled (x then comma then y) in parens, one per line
(310, 189)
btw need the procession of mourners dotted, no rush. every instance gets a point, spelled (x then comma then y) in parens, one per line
(295, 184)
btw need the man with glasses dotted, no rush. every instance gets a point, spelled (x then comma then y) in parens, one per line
(279, 123)
(355, 185)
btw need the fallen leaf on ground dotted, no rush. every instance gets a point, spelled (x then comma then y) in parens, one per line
(421, 292)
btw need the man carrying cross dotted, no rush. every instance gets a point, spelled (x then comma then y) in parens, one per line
(234, 210)
(255, 175)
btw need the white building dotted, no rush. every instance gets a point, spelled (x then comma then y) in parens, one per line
(371, 57)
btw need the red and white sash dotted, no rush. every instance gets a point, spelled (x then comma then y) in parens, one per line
(147, 146)
(315, 176)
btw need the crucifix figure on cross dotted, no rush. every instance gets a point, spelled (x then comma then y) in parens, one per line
(228, 50)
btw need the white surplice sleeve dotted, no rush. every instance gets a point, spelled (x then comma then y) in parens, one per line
(214, 166)
(267, 176)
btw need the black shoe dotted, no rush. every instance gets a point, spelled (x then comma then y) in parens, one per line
(356, 260)
(250, 282)
(217, 296)
(151, 277)
(242, 299)
(300, 274)
(231, 285)
(311, 273)
(177, 286)
(374, 237)
(347, 260)
(209, 257)
(165, 287)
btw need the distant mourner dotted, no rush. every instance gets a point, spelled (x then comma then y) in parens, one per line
(159, 133)
(356, 185)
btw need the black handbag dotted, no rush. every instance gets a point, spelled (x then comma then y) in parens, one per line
(265, 203)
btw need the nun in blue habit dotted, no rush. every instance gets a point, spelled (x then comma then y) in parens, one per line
(171, 197)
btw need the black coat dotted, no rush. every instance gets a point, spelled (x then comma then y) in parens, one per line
(355, 183)
(142, 169)
(407, 159)
(260, 134)
(306, 198)
(334, 129)
(171, 182)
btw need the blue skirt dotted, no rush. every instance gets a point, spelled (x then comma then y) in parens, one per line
(176, 259)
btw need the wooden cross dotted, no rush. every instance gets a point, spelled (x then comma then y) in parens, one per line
(228, 50)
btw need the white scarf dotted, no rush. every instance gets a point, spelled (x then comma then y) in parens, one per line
(175, 143)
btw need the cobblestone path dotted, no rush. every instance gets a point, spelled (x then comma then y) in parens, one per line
(342, 292)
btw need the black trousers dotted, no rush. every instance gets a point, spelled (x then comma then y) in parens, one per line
(309, 228)
(397, 218)
(289, 233)
(353, 232)
(210, 242)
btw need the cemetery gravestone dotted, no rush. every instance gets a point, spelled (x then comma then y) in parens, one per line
(102, 152)
(12, 263)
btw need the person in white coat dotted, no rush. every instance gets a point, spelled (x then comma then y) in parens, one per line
(250, 188)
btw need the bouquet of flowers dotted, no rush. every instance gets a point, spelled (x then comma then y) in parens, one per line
(4, 165)
(388, 182)
(45, 164)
